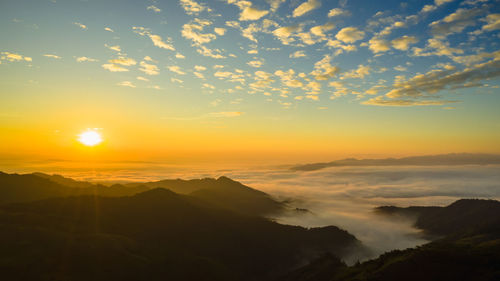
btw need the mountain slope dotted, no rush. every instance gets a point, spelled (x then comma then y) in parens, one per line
(158, 235)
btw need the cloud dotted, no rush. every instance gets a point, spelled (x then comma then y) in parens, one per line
(220, 31)
(123, 61)
(456, 22)
(199, 75)
(323, 70)
(422, 88)
(208, 86)
(288, 78)
(157, 39)
(200, 68)
(226, 114)
(360, 72)
(350, 35)
(176, 80)
(275, 4)
(52, 56)
(109, 29)
(298, 54)
(126, 84)
(82, 26)
(149, 69)
(14, 57)
(248, 12)
(306, 7)
(336, 12)
(176, 69)
(213, 53)
(404, 42)
(84, 59)
(378, 45)
(113, 48)
(192, 31)
(114, 68)
(180, 56)
(493, 22)
(142, 78)
(404, 102)
(154, 9)
(255, 63)
(192, 7)
(436, 47)
(284, 33)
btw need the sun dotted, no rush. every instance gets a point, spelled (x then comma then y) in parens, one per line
(90, 138)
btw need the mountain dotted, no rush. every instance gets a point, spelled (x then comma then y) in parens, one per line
(223, 192)
(468, 250)
(154, 235)
(427, 160)
(461, 217)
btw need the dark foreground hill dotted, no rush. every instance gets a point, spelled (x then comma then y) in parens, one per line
(223, 192)
(154, 235)
(469, 250)
(459, 218)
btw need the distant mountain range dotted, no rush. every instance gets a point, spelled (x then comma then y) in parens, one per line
(428, 160)
(468, 250)
(51, 231)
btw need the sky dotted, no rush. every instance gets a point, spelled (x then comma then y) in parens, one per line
(234, 81)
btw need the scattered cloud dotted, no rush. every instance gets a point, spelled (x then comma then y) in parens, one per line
(114, 68)
(336, 12)
(176, 69)
(82, 26)
(298, 54)
(248, 11)
(226, 114)
(220, 31)
(255, 63)
(306, 7)
(126, 84)
(157, 39)
(192, 7)
(109, 29)
(404, 42)
(115, 48)
(200, 68)
(154, 8)
(350, 34)
(84, 59)
(149, 69)
(52, 56)
(14, 57)
(123, 61)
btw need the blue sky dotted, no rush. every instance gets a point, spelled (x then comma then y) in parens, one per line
(363, 62)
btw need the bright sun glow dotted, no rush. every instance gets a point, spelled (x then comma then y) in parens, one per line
(90, 138)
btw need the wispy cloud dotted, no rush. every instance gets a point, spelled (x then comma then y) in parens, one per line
(81, 25)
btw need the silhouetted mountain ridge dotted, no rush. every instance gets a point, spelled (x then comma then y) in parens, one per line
(223, 192)
(426, 160)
